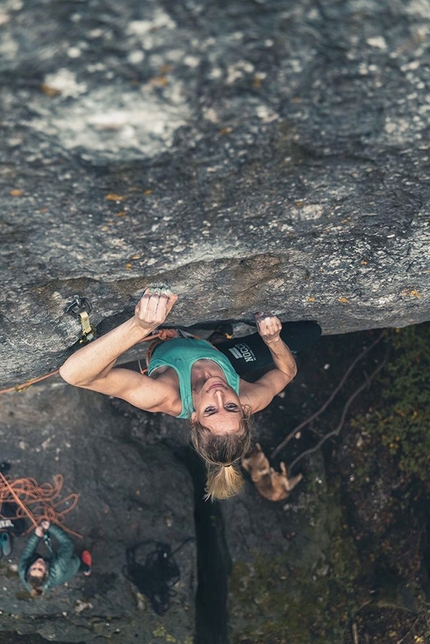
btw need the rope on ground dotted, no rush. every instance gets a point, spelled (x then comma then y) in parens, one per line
(38, 502)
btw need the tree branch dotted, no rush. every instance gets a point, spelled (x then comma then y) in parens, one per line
(303, 424)
(348, 404)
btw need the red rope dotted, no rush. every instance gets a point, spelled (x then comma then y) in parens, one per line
(38, 502)
(160, 336)
(27, 384)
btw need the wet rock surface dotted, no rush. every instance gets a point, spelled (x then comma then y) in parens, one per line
(253, 155)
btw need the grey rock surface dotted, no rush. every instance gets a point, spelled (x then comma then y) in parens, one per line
(253, 154)
(129, 492)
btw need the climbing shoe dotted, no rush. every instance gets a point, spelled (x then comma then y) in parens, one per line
(87, 561)
(6, 543)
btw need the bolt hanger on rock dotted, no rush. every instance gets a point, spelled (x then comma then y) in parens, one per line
(80, 308)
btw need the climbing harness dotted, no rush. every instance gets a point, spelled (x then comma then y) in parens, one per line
(80, 308)
(155, 577)
(37, 502)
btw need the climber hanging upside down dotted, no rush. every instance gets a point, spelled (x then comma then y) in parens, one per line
(189, 378)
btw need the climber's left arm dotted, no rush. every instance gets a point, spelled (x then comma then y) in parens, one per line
(261, 393)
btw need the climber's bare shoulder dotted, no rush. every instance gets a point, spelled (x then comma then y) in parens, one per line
(156, 393)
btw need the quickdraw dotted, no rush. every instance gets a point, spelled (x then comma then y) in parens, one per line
(80, 308)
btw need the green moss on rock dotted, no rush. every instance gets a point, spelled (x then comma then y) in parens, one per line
(277, 600)
(401, 416)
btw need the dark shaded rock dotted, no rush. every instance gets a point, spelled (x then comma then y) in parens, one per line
(291, 564)
(252, 154)
(128, 494)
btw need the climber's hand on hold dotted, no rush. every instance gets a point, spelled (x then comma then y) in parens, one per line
(94, 365)
(153, 308)
(269, 327)
(262, 391)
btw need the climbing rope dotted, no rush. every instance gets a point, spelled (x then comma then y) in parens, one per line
(37, 502)
(163, 334)
(160, 336)
(28, 384)
(80, 307)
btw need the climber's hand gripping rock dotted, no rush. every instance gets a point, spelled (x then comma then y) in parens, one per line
(153, 307)
(269, 327)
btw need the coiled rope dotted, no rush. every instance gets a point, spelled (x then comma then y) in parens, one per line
(38, 502)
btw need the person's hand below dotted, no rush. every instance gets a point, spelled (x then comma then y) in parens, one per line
(269, 327)
(154, 306)
(42, 528)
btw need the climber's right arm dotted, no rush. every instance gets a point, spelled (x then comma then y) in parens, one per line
(92, 366)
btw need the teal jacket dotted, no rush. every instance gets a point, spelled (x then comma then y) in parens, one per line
(62, 563)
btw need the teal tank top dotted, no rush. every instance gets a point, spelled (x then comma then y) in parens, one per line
(181, 354)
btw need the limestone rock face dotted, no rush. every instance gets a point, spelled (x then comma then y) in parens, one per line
(254, 155)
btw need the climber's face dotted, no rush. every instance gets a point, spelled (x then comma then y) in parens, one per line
(38, 568)
(217, 406)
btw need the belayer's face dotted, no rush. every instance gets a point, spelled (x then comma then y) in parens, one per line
(217, 407)
(38, 568)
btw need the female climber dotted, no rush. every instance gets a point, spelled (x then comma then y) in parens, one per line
(188, 378)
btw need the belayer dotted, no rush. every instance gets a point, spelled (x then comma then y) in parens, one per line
(190, 378)
(39, 574)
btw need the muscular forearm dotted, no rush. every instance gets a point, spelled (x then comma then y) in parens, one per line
(95, 360)
(283, 358)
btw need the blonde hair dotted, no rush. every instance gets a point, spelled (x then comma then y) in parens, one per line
(223, 453)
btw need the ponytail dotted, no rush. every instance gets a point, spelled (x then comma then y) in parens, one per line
(223, 482)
